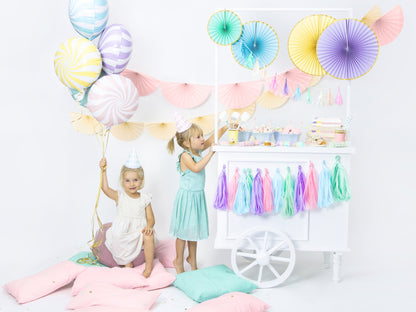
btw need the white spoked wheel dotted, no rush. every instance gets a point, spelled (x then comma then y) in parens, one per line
(263, 256)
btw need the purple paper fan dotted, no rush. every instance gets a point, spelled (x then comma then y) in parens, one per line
(347, 49)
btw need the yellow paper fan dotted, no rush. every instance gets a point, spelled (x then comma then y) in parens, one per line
(269, 100)
(314, 80)
(372, 15)
(127, 131)
(303, 40)
(206, 122)
(249, 109)
(85, 124)
(161, 130)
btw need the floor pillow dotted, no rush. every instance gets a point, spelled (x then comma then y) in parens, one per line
(211, 282)
(159, 278)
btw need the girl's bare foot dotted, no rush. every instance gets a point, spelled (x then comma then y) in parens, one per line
(192, 262)
(147, 271)
(178, 266)
(129, 265)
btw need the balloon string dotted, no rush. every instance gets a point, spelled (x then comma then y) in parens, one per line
(93, 243)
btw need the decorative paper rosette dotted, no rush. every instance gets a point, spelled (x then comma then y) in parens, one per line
(185, 95)
(115, 46)
(88, 17)
(145, 84)
(302, 43)
(113, 99)
(389, 26)
(224, 27)
(127, 131)
(372, 15)
(161, 130)
(270, 100)
(347, 49)
(85, 124)
(239, 95)
(77, 63)
(258, 44)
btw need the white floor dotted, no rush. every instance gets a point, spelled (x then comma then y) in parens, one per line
(364, 287)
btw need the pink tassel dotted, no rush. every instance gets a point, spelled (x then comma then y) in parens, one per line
(267, 192)
(310, 194)
(232, 188)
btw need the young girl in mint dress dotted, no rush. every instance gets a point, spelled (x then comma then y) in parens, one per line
(189, 222)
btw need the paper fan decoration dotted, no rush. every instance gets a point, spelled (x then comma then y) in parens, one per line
(251, 109)
(270, 100)
(161, 130)
(347, 49)
(239, 94)
(314, 80)
(127, 131)
(85, 124)
(207, 122)
(145, 84)
(224, 27)
(293, 78)
(302, 43)
(372, 15)
(389, 26)
(258, 43)
(185, 95)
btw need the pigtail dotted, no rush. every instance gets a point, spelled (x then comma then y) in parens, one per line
(171, 145)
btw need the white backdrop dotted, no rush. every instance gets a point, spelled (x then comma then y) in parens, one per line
(50, 174)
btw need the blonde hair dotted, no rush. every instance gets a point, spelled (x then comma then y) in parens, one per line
(184, 137)
(139, 171)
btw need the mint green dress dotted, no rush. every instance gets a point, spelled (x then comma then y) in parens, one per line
(189, 215)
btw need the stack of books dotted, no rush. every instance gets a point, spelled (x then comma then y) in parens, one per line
(324, 127)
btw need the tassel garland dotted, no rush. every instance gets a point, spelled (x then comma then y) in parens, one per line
(288, 194)
(241, 203)
(278, 191)
(310, 196)
(339, 184)
(325, 198)
(299, 190)
(232, 188)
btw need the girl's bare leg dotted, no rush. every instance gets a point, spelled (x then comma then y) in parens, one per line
(129, 265)
(192, 255)
(149, 252)
(178, 262)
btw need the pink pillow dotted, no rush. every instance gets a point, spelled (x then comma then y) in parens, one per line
(232, 302)
(109, 309)
(120, 277)
(103, 294)
(165, 251)
(43, 283)
(159, 278)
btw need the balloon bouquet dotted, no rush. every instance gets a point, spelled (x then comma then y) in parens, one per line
(92, 72)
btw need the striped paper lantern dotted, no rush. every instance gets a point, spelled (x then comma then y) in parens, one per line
(88, 17)
(77, 63)
(115, 45)
(113, 100)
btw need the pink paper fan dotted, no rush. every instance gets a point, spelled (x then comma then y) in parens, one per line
(185, 95)
(389, 26)
(240, 94)
(294, 78)
(145, 84)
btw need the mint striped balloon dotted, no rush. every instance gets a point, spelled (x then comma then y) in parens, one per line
(77, 63)
(113, 100)
(88, 17)
(115, 46)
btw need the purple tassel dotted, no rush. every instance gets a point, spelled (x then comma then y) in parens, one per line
(221, 198)
(299, 190)
(285, 88)
(256, 205)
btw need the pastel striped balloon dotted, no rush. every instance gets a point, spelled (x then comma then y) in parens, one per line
(113, 100)
(77, 63)
(88, 17)
(115, 45)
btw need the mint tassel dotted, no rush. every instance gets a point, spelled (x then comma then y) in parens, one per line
(308, 96)
(288, 195)
(249, 182)
(241, 202)
(278, 191)
(250, 61)
(339, 183)
(297, 95)
(325, 198)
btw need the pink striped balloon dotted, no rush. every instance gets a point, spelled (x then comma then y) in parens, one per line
(113, 100)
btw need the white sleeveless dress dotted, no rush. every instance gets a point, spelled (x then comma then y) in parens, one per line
(124, 239)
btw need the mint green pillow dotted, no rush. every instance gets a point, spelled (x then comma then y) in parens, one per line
(211, 282)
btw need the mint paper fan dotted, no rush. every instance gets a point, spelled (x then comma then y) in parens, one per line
(224, 27)
(258, 43)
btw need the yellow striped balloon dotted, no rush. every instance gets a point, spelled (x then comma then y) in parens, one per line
(78, 63)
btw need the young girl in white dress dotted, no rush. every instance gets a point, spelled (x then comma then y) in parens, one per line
(132, 228)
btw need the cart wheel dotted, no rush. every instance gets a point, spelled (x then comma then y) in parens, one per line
(263, 256)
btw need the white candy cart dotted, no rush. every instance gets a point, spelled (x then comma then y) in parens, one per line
(263, 247)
